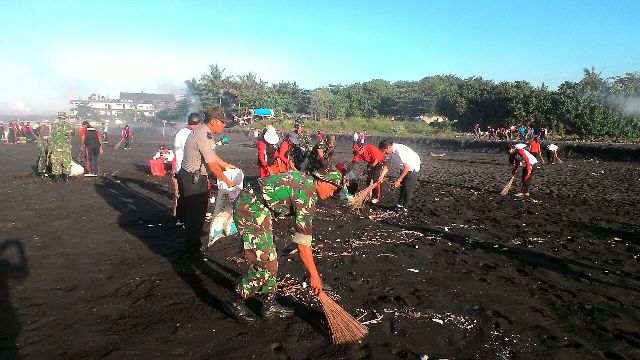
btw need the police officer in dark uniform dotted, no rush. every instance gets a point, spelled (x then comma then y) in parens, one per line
(199, 154)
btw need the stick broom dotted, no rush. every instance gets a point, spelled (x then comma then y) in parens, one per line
(507, 187)
(344, 328)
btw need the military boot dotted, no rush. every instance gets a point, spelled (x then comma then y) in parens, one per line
(234, 306)
(272, 309)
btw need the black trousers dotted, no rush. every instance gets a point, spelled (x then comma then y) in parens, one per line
(194, 200)
(93, 154)
(407, 187)
(372, 175)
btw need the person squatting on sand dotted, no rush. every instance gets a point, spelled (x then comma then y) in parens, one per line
(60, 147)
(522, 157)
(408, 178)
(199, 150)
(91, 146)
(286, 194)
(193, 120)
(320, 156)
(376, 170)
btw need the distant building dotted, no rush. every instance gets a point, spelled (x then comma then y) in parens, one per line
(138, 105)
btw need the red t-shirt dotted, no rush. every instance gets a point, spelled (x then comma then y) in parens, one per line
(370, 154)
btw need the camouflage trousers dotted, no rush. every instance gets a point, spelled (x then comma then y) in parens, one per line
(61, 161)
(42, 157)
(253, 220)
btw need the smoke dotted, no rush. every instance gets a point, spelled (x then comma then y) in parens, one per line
(193, 100)
(628, 105)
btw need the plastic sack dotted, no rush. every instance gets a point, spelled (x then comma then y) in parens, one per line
(222, 223)
(157, 167)
(76, 169)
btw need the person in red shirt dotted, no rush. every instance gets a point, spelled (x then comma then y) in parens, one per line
(522, 157)
(374, 158)
(268, 156)
(284, 153)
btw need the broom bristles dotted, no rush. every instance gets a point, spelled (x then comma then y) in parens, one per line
(344, 328)
(506, 188)
(361, 196)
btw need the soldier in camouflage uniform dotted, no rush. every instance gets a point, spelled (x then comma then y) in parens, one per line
(300, 150)
(321, 154)
(43, 154)
(286, 194)
(60, 147)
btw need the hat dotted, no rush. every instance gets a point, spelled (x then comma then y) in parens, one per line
(293, 137)
(214, 113)
(332, 176)
(356, 147)
(271, 136)
(298, 124)
(62, 115)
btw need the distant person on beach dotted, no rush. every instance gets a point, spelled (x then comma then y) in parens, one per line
(105, 133)
(410, 162)
(552, 154)
(535, 149)
(363, 137)
(319, 136)
(292, 194)
(518, 157)
(356, 136)
(194, 119)
(374, 158)
(127, 135)
(199, 154)
(167, 155)
(91, 144)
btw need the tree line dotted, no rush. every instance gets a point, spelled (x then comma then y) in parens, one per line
(594, 107)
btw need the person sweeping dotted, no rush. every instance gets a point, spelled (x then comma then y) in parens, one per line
(291, 194)
(522, 157)
(374, 158)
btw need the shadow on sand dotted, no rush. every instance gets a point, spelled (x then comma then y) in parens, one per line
(12, 267)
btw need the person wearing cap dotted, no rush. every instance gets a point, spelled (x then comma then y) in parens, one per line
(290, 194)
(60, 147)
(194, 119)
(408, 178)
(268, 157)
(199, 154)
(321, 154)
(374, 158)
(517, 157)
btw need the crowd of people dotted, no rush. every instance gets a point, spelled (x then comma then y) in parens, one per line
(511, 133)
(294, 174)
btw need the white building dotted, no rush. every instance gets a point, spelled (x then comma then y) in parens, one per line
(137, 104)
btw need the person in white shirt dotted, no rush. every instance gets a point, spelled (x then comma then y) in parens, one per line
(166, 154)
(193, 120)
(552, 154)
(522, 157)
(355, 137)
(408, 178)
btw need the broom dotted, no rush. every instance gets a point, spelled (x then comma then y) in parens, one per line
(344, 328)
(507, 187)
(361, 196)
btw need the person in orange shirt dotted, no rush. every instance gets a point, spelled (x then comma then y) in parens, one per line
(535, 149)
(284, 153)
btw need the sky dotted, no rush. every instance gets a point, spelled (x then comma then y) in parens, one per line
(55, 51)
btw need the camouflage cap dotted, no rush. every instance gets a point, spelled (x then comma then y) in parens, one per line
(62, 115)
(332, 176)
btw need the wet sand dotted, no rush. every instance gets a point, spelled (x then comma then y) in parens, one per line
(94, 268)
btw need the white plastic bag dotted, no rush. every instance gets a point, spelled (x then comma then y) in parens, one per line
(76, 169)
(222, 223)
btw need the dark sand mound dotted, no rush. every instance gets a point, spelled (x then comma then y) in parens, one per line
(466, 274)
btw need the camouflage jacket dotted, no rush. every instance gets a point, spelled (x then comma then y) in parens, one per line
(292, 193)
(61, 132)
(315, 162)
(304, 143)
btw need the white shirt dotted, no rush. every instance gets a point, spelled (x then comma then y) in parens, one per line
(168, 156)
(552, 147)
(355, 137)
(181, 139)
(532, 159)
(403, 154)
(520, 146)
